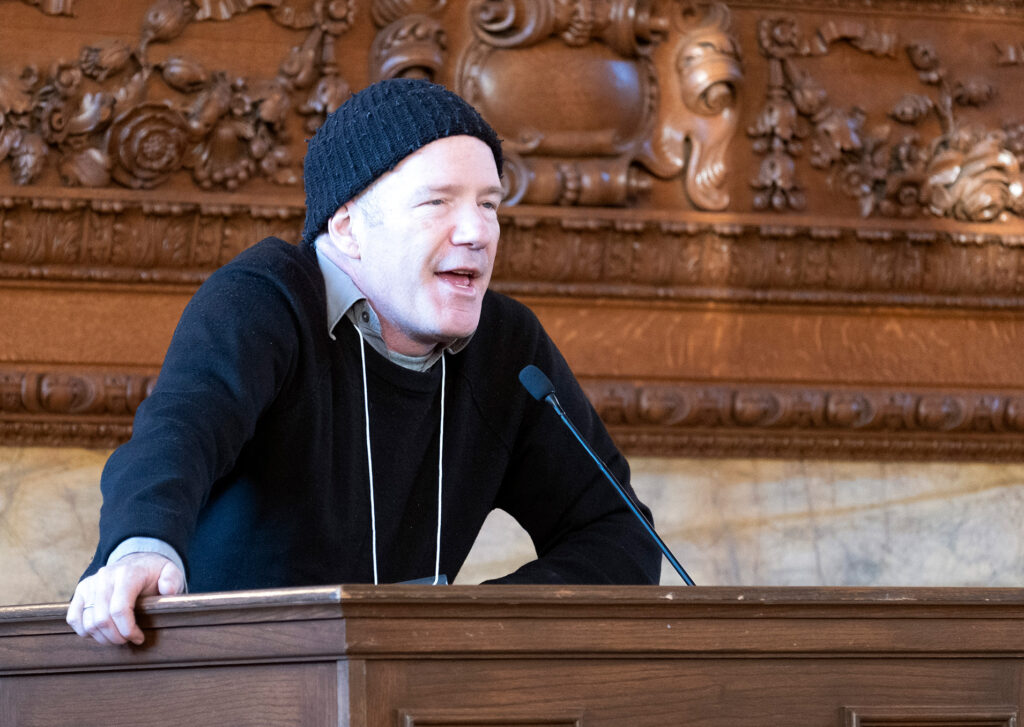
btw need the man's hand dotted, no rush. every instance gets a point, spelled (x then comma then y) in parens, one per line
(103, 606)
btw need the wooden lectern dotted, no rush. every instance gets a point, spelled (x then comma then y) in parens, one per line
(470, 656)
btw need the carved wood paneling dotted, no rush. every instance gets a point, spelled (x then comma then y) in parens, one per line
(867, 113)
(95, 409)
(792, 156)
(132, 241)
(620, 254)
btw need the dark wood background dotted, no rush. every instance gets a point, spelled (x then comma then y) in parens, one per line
(769, 228)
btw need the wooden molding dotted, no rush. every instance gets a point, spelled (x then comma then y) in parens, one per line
(95, 408)
(503, 716)
(801, 155)
(577, 253)
(930, 716)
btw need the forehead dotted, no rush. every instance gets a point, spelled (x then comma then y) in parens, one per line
(465, 158)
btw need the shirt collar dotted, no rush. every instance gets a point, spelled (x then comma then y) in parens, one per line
(342, 293)
(345, 300)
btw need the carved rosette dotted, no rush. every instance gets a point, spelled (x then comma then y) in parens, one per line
(972, 176)
(146, 145)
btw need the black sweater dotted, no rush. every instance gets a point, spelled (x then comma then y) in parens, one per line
(249, 457)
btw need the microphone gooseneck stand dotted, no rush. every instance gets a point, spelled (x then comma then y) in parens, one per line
(541, 389)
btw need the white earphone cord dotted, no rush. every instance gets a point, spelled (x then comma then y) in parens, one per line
(369, 463)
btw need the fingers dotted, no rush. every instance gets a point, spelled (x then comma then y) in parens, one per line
(82, 610)
(103, 606)
(171, 582)
(122, 608)
(96, 612)
(92, 626)
(75, 608)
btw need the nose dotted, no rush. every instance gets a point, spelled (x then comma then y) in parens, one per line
(475, 225)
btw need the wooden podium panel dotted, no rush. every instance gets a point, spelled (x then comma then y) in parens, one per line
(469, 656)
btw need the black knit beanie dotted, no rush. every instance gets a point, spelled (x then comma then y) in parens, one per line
(372, 132)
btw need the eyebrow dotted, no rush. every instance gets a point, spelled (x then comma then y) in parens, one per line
(452, 188)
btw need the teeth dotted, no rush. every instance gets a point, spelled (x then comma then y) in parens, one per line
(461, 278)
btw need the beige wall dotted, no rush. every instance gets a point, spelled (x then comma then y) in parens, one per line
(770, 522)
(730, 522)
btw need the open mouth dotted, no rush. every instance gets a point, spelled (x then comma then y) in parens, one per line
(460, 278)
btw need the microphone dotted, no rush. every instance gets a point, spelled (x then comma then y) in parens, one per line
(541, 389)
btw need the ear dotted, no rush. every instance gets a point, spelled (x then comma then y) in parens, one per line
(339, 228)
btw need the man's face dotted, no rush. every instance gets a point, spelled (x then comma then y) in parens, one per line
(421, 242)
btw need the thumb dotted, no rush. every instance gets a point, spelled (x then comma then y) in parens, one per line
(171, 580)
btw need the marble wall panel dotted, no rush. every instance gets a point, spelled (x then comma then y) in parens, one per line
(49, 511)
(789, 523)
(730, 522)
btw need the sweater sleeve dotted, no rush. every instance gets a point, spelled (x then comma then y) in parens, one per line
(582, 530)
(230, 355)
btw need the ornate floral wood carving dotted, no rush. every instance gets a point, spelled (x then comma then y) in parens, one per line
(116, 115)
(94, 408)
(968, 172)
(143, 158)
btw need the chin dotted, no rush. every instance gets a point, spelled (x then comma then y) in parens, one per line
(459, 322)
(455, 332)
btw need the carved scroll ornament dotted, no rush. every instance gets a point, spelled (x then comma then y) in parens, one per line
(115, 116)
(410, 42)
(593, 98)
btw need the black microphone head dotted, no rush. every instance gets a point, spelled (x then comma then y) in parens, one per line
(539, 385)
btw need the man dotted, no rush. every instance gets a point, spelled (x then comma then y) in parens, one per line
(348, 410)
